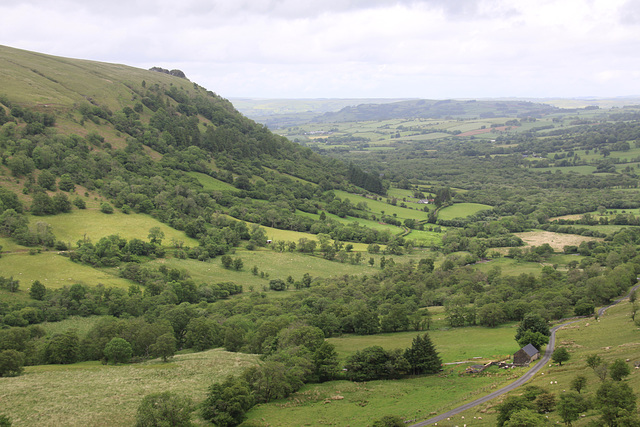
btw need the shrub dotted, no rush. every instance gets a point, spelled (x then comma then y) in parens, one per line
(11, 363)
(106, 208)
(118, 350)
(164, 409)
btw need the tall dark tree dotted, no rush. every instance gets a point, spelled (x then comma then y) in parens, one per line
(422, 356)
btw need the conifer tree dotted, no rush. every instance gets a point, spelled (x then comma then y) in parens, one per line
(422, 356)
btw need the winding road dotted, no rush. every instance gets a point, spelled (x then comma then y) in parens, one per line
(523, 379)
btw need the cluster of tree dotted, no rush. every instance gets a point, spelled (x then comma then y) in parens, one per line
(376, 363)
(110, 251)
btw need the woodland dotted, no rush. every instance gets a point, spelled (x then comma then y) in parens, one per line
(363, 196)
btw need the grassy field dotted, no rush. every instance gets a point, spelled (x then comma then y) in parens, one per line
(511, 267)
(454, 345)
(461, 210)
(377, 207)
(277, 265)
(94, 224)
(54, 271)
(425, 238)
(344, 403)
(90, 394)
(211, 184)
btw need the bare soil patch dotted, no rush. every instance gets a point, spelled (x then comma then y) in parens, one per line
(556, 240)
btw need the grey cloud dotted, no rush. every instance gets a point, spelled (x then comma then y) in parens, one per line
(630, 13)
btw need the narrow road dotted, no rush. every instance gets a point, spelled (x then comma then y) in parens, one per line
(523, 379)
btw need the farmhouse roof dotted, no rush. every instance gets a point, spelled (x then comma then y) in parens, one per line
(530, 350)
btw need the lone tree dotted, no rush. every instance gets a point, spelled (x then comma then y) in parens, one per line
(422, 356)
(165, 347)
(37, 290)
(534, 323)
(118, 350)
(560, 355)
(579, 383)
(570, 406)
(619, 369)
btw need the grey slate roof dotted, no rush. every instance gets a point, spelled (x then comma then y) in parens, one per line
(530, 350)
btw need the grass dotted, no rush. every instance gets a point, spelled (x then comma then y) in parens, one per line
(94, 224)
(89, 393)
(82, 325)
(612, 337)
(344, 403)
(425, 238)
(358, 404)
(461, 210)
(377, 207)
(511, 267)
(454, 345)
(54, 271)
(277, 265)
(211, 184)
(51, 78)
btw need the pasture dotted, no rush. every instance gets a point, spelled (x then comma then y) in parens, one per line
(277, 265)
(461, 210)
(453, 344)
(54, 271)
(345, 403)
(92, 394)
(92, 223)
(211, 184)
(377, 207)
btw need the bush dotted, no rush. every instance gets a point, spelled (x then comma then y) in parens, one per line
(227, 402)
(118, 350)
(5, 421)
(164, 409)
(277, 285)
(11, 363)
(106, 208)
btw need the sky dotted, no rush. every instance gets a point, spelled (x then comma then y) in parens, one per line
(434, 49)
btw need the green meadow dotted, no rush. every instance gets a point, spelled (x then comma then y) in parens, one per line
(277, 265)
(94, 224)
(54, 271)
(211, 184)
(344, 403)
(461, 210)
(92, 394)
(453, 344)
(377, 207)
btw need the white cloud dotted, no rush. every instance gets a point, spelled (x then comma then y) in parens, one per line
(338, 48)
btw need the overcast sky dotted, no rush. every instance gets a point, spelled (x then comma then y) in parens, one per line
(351, 48)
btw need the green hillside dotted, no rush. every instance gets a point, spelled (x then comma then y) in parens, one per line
(143, 217)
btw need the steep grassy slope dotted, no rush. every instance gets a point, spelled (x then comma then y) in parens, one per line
(45, 80)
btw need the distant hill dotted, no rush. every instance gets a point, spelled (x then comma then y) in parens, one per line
(432, 109)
